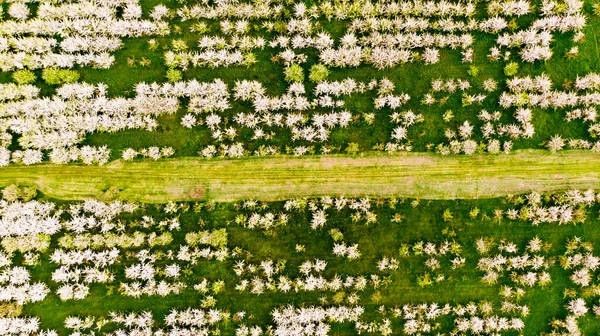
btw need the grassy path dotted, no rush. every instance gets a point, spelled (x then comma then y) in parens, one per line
(421, 175)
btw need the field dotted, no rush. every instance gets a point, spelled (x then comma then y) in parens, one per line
(417, 175)
(422, 221)
(142, 59)
(296, 168)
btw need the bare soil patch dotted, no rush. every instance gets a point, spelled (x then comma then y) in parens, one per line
(198, 192)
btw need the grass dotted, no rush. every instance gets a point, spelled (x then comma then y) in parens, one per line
(419, 175)
(384, 238)
(413, 79)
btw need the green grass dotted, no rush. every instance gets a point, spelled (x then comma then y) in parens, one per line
(384, 238)
(420, 175)
(414, 79)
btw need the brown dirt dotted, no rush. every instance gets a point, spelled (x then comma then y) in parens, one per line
(198, 192)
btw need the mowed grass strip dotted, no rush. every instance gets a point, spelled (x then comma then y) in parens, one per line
(419, 175)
